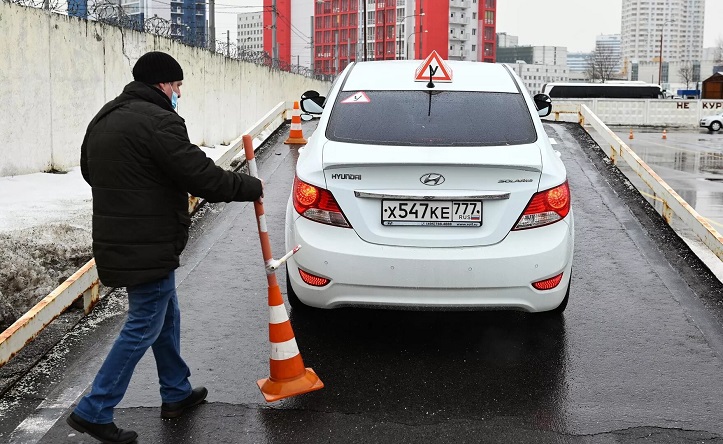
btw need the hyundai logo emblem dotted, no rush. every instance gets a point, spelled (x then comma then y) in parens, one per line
(432, 179)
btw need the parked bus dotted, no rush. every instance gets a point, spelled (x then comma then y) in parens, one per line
(610, 90)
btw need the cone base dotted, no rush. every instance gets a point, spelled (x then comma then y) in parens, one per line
(275, 390)
(296, 141)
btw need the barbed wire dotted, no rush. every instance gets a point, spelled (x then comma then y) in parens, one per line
(105, 11)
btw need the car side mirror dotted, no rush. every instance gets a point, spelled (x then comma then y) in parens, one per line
(312, 105)
(543, 103)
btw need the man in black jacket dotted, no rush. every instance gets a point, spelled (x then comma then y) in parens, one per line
(139, 161)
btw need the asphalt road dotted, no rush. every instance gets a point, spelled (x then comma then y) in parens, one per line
(638, 356)
(689, 160)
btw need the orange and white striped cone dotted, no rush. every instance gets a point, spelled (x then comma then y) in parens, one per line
(665, 135)
(288, 375)
(296, 135)
(631, 137)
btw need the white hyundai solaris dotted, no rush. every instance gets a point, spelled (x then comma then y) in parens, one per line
(429, 195)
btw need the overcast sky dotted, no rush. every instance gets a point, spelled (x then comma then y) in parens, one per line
(570, 23)
(575, 23)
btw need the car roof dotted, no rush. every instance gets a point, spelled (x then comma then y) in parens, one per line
(396, 75)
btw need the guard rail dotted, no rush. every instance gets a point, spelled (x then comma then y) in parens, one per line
(85, 281)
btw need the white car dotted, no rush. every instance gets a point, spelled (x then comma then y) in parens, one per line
(418, 196)
(713, 123)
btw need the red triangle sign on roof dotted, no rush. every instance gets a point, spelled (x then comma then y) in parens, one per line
(441, 72)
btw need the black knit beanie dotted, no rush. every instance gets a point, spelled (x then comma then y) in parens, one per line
(157, 67)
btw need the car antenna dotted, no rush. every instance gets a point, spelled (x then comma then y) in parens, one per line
(432, 71)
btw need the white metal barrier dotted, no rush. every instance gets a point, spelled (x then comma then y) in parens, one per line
(616, 149)
(85, 282)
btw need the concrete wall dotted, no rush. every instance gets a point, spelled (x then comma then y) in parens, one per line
(654, 112)
(57, 71)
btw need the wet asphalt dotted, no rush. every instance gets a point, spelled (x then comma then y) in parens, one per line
(689, 160)
(637, 357)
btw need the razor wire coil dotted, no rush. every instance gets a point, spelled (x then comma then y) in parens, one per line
(107, 12)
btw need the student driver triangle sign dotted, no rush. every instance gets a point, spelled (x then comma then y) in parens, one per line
(436, 66)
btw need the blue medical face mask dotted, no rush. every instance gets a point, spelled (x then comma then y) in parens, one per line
(174, 99)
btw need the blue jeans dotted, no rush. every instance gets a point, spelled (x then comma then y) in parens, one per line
(154, 320)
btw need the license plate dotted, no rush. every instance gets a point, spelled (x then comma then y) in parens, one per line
(436, 213)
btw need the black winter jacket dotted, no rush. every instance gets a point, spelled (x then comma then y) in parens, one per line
(138, 159)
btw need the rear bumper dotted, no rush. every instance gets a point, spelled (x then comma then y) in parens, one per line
(496, 276)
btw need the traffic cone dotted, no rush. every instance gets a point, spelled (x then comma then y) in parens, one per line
(665, 135)
(631, 137)
(288, 375)
(296, 135)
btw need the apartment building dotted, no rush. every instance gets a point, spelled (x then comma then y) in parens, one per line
(535, 76)
(540, 55)
(677, 24)
(333, 32)
(250, 31)
(505, 40)
(610, 47)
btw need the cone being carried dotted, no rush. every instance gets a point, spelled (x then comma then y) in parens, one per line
(288, 375)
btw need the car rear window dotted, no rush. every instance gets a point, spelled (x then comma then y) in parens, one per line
(431, 118)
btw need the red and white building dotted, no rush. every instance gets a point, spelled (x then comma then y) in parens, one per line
(329, 34)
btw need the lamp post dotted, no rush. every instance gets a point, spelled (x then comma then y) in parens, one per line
(400, 20)
(364, 31)
(660, 56)
(409, 36)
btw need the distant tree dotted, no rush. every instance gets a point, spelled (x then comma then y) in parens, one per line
(719, 50)
(686, 73)
(589, 72)
(602, 65)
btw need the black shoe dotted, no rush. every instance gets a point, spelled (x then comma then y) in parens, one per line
(106, 433)
(175, 409)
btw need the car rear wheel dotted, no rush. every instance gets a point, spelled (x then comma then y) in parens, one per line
(715, 126)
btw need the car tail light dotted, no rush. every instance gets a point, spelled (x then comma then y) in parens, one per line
(317, 204)
(545, 207)
(548, 284)
(313, 280)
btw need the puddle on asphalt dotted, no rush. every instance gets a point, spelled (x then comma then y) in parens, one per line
(697, 176)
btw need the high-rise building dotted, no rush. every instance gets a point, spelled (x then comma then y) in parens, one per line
(187, 18)
(456, 29)
(250, 31)
(537, 55)
(609, 47)
(395, 29)
(188, 21)
(78, 8)
(578, 61)
(505, 40)
(678, 23)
